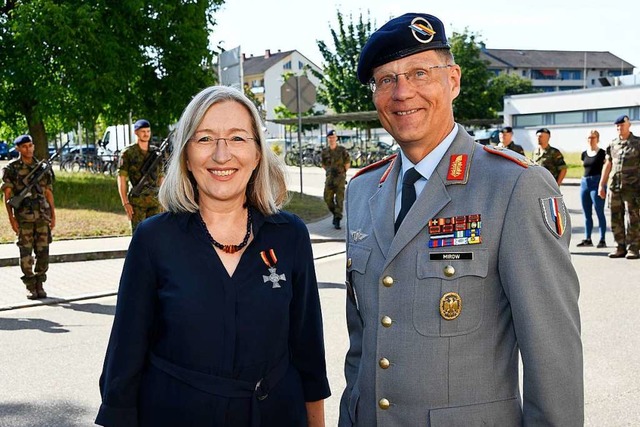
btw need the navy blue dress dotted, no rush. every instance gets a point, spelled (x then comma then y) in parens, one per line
(181, 321)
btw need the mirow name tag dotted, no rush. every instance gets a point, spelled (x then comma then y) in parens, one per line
(450, 256)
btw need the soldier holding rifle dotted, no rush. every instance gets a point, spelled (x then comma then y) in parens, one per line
(139, 165)
(28, 194)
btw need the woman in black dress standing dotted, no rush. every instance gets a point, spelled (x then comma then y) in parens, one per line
(218, 319)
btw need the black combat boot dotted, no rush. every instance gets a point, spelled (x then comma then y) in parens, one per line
(40, 290)
(32, 292)
(619, 253)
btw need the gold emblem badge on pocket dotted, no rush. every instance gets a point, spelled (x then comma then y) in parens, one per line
(450, 305)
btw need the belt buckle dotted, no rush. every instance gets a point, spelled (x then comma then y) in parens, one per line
(260, 391)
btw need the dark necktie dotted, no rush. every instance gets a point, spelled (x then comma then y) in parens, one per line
(408, 194)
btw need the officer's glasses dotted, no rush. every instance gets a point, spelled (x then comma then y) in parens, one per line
(209, 141)
(417, 77)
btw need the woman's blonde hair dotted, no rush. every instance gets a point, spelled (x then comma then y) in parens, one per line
(596, 133)
(266, 190)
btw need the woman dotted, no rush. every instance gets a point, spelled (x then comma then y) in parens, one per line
(593, 161)
(218, 320)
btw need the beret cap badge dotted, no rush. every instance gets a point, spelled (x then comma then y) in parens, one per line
(422, 30)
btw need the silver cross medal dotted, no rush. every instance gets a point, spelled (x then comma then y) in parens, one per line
(274, 278)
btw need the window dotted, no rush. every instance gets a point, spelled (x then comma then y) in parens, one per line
(524, 73)
(300, 65)
(528, 120)
(543, 74)
(571, 117)
(571, 74)
(287, 65)
(614, 73)
(569, 87)
(611, 114)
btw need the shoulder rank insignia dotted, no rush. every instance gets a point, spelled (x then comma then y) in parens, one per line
(523, 161)
(554, 215)
(386, 161)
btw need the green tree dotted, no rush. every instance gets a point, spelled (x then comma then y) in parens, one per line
(64, 62)
(340, 89)
(507, 85)
(474, 101)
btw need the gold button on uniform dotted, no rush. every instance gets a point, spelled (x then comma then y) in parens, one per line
(449, 271)
(384, 363)
(450, 305)
(386, 321)
(387, 281)
(384, 403)
(349, 263)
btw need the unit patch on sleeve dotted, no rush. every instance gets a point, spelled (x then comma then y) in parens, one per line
(554, 215)
(455, 231)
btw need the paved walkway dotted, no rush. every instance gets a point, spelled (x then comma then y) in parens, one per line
(70, 278)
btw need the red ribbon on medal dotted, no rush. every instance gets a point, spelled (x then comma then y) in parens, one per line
(269, 257)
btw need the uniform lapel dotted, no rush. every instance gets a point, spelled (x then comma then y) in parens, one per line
(381, 207)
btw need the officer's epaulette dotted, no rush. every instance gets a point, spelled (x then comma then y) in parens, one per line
(386, 161)
(525, 162)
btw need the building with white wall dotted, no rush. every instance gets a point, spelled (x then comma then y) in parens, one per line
(263, 74)
(570, 115)
(557, 70)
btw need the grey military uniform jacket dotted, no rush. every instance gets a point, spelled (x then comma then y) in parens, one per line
(510, 282)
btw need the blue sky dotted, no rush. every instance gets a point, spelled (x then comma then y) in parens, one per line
(549, 25)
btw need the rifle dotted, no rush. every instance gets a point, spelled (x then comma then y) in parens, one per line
(32, 179)
(150, 166)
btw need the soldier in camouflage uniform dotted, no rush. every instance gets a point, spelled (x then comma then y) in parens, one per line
(622, 171)
(335, 161)
(506, 140)
(132, 160)
(548, 157)
(34, 219)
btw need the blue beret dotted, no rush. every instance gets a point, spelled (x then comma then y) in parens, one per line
(142, 123)
(507, 129)
(331, 132)
(22, 139)
(543, 130)
(622, 119)
(406, 35)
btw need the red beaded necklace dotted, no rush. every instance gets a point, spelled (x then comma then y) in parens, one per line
(230, 249)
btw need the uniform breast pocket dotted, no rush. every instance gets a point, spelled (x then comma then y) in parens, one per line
(357, 259)
(449, 293)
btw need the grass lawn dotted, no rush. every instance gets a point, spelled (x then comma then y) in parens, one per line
(88, 205)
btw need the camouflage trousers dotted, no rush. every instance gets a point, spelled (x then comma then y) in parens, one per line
(619, 202)
(34, 237)
(334, 196)
(143, 208)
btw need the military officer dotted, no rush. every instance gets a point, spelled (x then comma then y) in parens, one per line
(335, 161)
(34, 219)
(439, 300)
(506, 140)
(132, 160)
(623, 159)
(549, 157)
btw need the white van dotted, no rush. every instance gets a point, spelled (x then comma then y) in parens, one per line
(116, 138)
